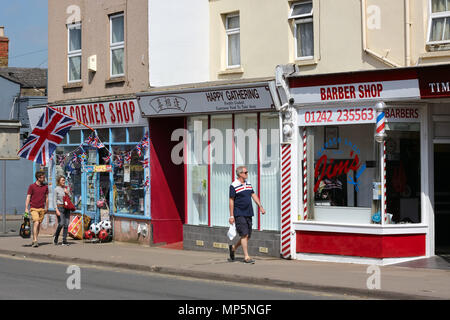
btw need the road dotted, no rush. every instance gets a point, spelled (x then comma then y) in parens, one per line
(24, 278)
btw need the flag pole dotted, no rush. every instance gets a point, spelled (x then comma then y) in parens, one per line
(71, 118)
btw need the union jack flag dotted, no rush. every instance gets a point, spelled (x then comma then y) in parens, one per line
(119, 161)
(144, 141)
(107, 158)
(51, 128)
(145, 163)
(139, 151)
(128, 157)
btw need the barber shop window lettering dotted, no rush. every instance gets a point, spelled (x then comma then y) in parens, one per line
(331, 174)
(341, 173)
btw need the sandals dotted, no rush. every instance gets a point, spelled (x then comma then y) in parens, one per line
(250, 261)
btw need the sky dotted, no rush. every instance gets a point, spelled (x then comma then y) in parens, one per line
(25, 23)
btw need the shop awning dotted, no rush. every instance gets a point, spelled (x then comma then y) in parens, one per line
(211, 97)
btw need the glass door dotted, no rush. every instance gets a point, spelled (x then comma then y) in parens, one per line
(442, 200)
(92, 190)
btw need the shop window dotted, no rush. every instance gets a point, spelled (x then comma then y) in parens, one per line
(135, 134)
(119, 135)
(128, 190)
(232, 27)
(74, 52)
(270, 170)
(197, 168)
(74, 137)
(246, 149)
(117, 44)
(343, 175)
(439, 22)
(403, 172)
(302, 16)
(103, 134)
(221, 168)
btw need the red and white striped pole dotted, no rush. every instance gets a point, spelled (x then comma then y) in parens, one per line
(305, 177)
(380, 137)
(286, 201)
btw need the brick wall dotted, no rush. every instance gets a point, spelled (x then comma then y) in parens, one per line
(4, 45)
(203, 238)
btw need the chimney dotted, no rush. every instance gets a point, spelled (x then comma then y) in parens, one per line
(4, 45)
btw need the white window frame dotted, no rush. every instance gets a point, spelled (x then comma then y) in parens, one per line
(74, 53)
(230, 32)
(437, 15)
(300, 19)
(116, 45)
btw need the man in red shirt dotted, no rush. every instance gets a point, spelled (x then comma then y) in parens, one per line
(37, 199)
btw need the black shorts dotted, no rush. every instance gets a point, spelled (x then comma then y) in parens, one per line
(243, 226)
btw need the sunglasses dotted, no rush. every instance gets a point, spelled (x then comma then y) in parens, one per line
(244, 172)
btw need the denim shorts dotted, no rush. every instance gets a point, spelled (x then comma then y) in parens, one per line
(243, 225)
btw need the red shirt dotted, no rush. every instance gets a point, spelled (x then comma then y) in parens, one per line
(38, 195)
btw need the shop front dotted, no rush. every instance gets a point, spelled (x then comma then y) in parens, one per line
(368, 191)
(106, 167)
(198, 137)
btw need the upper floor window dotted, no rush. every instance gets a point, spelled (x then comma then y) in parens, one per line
(439, 22)
(117, 44)
(74, 52)
(232, 28)
(302, 16)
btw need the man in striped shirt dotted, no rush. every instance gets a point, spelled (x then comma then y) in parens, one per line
(241, 211)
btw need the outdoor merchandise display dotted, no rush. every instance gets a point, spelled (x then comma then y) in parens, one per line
(101, 231)
(75, 227)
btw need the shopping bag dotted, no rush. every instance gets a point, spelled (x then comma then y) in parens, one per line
(25, 228)
(75, 230)
(231, 232)
(68, 203)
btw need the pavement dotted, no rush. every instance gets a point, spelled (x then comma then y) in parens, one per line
(412, 280)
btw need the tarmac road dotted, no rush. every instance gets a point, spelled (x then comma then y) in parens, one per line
(24, 278)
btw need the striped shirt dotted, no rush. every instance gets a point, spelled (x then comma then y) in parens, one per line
(242, 195)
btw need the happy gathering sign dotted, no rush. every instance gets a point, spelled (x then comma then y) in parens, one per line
(207, 100)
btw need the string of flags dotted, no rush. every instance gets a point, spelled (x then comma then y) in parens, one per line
(79, 155)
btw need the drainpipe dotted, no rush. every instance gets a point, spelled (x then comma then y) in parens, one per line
(407, 34)
(364, 39)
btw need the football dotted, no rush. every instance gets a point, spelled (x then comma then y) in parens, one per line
(95, 228)
(103, 236)
(106, 225)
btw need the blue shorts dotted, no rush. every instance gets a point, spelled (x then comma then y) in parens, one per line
(243, 225)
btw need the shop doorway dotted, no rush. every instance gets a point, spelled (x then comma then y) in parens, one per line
(96, 177)
(166, 182)
(442, 199)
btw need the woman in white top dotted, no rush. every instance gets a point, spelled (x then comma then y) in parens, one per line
(62, 214)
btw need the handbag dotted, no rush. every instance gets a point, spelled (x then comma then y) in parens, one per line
(68, 203)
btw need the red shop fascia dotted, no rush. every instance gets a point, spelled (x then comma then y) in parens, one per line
(336, 118)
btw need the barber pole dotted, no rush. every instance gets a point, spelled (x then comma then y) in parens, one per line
(286, 201)
(305, 183)
(384, 181)
(381, 121)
